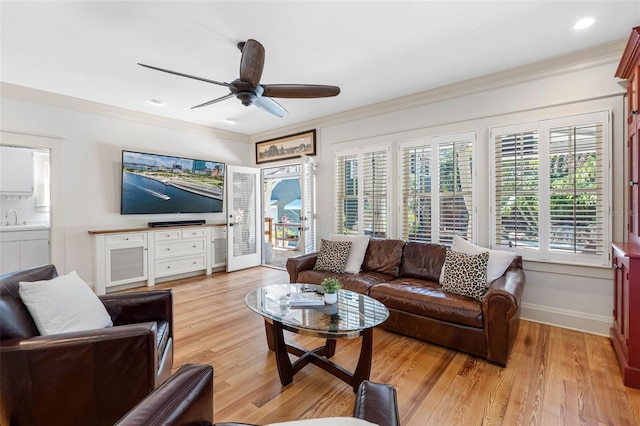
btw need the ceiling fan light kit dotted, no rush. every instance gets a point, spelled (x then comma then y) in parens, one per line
(248, 89)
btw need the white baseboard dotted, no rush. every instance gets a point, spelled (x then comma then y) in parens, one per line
(573, 320)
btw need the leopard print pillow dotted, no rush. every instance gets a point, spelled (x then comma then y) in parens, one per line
(332, 256)
(465, 274)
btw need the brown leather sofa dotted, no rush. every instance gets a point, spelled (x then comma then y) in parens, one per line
(404, 276)
(89, 377)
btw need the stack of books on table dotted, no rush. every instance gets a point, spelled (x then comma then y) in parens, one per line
(306, 300)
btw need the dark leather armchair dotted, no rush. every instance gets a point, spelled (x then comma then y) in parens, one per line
(88, 377)
(187, 399)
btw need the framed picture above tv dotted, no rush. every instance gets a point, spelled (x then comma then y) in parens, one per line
(162, 184)
(284, 148)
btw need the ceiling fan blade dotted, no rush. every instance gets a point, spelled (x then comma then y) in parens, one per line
(185, 75)
(230, 95)
(299, 90)
(252, 62)
(270, 106)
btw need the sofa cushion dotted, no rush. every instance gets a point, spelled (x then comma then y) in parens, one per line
(359, 244)
(426, 298)
(383, 256)
(64, 304)
(332, 256)
(465, 274)
(422, 260)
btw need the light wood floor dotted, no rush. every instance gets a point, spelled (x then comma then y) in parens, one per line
(554, 377)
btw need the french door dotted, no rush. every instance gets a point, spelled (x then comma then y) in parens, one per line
(243, 218)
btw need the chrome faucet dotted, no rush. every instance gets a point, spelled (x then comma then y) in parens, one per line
(6, 215)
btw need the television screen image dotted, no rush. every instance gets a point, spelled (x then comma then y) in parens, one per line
(153, 184)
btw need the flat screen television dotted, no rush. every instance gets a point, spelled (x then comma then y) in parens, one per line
(160, 184)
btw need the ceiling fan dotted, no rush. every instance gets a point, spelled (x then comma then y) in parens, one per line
(248, 89)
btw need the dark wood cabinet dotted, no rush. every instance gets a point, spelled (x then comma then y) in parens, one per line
(625, 333)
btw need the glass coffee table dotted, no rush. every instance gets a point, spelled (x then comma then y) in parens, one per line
(354, 315)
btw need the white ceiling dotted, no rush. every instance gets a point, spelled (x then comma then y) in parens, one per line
(373, 50)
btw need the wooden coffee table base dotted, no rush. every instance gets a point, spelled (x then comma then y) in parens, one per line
(318, 356)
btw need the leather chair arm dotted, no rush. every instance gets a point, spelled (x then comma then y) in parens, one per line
(501, 312)
(505, 292)
(96, 376)
(132, 308)
(185, 399)
(300, 263)
(377, 403)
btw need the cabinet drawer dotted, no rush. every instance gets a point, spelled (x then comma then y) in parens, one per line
(168, 235)
(126, 238)
(179, 248)
(194, 233)
(178, 266)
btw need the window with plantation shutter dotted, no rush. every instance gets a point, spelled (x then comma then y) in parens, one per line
(437, 188)
(550, 180)
(362, 200)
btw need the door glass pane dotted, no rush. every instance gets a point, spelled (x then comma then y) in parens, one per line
(244, 240)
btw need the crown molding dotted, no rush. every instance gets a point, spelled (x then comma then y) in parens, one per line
(29, 94)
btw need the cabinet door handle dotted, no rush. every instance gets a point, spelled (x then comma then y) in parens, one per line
(617, 266)
(632, 113)
(633, 183)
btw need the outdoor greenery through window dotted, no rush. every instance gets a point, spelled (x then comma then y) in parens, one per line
(362, 196)
(550, 179)
(437, 188)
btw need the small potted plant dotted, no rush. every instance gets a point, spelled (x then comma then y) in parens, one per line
(330, 287)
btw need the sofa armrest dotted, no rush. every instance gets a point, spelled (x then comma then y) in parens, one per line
(89, 377)
(505, 292)
(300, 263)
(501, 312)
(377, 403)
(145, 306)
(186, 398)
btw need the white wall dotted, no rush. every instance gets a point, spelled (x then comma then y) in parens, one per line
(571, 296)
(86, 156)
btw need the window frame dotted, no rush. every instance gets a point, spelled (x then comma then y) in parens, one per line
(359, 153)
(435, 143)
(543, 252)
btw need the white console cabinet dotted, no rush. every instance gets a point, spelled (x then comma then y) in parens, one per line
(128, 258)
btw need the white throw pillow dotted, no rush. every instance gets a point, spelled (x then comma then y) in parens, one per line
(499, 260)
(64, 304)
(359, 244)
(326, 421)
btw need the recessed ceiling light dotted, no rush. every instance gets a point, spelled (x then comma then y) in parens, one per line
(584, 23)
(231, 120)
(156, 102)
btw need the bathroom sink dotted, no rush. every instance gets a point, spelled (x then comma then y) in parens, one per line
(21, 227)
